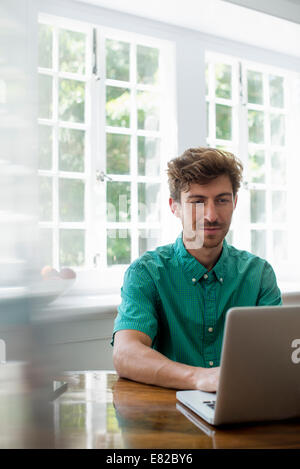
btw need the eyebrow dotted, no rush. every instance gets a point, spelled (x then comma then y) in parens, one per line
(198, 196)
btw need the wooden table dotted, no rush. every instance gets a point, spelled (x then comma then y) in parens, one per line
(99, 410)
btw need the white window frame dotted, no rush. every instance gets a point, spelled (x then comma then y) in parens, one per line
(241, 225)
(97, 276)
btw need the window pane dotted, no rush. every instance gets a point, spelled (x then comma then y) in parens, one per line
(258, 206)
(278, 163)
(257, 166)
(118, 201)
(71, 150)
(148, 110)
(258, 243)
(223, 122)
(256, 126)
(147, 65)
(45, 147)
(276, 91)
(45, 97)
(280, 241)
(229, 237)
(45, 247)
(148, 240)
(72, 250)
(207, 119)
(45, 198)
(148, 201)
(255, 87)
(277, 129)
(118, 247)
(206, 80)
(223, 81)
(279, 206)
(72, 51)
(148, 156)
(71, 100)
(117, 60)
(117, 154)
(45, 45)
(117, 106)
(71, 200)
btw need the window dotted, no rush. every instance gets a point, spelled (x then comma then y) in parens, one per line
(248, 109)
(103, 102)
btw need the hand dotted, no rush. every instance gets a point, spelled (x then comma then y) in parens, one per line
(207, 379)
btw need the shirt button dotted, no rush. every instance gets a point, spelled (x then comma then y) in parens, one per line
(211, 363)
(205, 276)
(221, 279)
(194, 280)
(210, 329)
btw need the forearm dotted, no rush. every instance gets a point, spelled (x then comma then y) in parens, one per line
(143, 364)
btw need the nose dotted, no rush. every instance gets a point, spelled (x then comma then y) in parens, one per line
(210, 213)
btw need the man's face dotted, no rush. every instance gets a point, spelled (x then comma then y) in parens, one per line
(218, 205)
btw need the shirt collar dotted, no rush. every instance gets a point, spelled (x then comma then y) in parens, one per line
(193, 268)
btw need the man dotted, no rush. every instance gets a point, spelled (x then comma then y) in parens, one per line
(170, 324)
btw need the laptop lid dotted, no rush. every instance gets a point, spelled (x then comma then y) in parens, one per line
(260, 370)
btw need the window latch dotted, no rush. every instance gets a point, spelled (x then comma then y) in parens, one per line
(101, 176)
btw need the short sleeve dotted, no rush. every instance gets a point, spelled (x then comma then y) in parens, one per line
(138, 309)
(269, 292)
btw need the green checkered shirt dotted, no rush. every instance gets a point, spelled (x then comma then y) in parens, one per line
(171, 297)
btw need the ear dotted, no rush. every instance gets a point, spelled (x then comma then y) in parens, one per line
(235, 201)
(175, 207)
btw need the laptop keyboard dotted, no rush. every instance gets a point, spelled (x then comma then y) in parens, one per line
(210, 404)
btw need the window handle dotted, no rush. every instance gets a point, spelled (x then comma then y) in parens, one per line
(101, 176)
(96, 260)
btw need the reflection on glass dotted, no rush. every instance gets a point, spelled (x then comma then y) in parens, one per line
(72, 249)
(148, 156)
(257, 166)
(72, 51)
(258, 206)
(45, 198)
(117, 154)
(72, 416)
(45, 97)
(117, 60)
(258, 243)
(45, 45)
(45, 147)
(147, 65)
(148, 240)
(277, 129)
(71, 100)
(280, 241)
(223, 122)
(278, 163)
(148, 202)
(71, 200)
(223, 81)
(256, 126)
(118, 247)
(117, 106)
(279, 206)
(255, 87)
(147, 110)
(45, 246)
(71, 150)
(276, 91)
(118, 198)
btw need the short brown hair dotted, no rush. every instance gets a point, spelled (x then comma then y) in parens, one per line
(201, 165)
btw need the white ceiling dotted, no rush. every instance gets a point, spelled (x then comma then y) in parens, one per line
(219, 18)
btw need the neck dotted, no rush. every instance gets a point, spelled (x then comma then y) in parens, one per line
(207, 256)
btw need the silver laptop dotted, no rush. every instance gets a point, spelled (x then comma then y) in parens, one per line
(260, 368)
